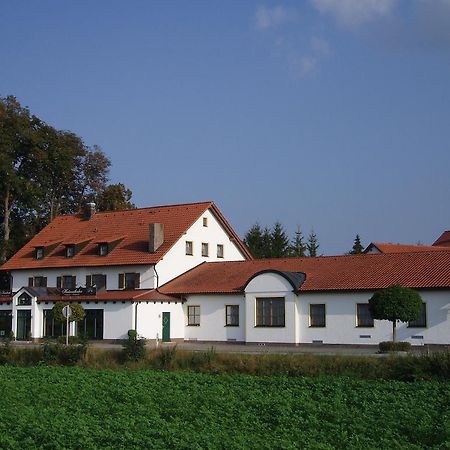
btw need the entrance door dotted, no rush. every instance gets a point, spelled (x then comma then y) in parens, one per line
(23, 324)
(92, 324)
(166, 326)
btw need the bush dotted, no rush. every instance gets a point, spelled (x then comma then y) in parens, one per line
(166, 356)
(389, 346)
(133, 349)
(72, 340)
(66, 355)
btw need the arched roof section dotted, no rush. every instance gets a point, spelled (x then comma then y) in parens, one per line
(295, 279)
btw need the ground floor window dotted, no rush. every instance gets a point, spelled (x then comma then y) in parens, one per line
(194, 316)
(52, 327)
(5, 323)
(317, 315)
(363, 316)
(92, 324)
(232, 315)
(270, 312)
(421, 322)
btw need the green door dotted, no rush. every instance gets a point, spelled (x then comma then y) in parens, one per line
(166, 326)
(23, 324)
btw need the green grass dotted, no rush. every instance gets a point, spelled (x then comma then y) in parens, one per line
(62, 407)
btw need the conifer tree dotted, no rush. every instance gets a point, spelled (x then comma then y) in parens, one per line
(357, 248)
(266, 242)
(279, 241)
(253, 240)
(298, 246)
(313, 244)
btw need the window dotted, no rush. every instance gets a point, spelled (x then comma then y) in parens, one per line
(66, 282)
(129, 281)
(316, 315)
(103, 249)
(232, 315)
(220, 250)
(270, 312)
(37, 281)
(24, 300)
(189, 248)
(194, 316)
(70, 251)
(205, 221)
(205, 249)
(421, 322)
(363, 316)
(97, 280)
(92, 324)
(40, 253)
(53, 328)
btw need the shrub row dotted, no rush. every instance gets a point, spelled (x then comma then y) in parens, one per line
(390, 346)
(434, 366)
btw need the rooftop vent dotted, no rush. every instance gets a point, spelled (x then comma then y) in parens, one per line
(155, 236)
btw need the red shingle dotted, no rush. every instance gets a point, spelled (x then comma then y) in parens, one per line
(325, 273)
(130, 225)
(388, 247)
(443, 239)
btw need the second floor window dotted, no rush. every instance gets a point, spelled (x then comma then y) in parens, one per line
(205, 249)
(66, 282)
(220, 250)
(37, 282)
(189, 248)
(97, 280)
(129, 280)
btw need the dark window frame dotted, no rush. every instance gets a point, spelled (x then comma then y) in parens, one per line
(364, 320)
(193, 316)
(221, 253)
(189, 248)
(322, 323)
(70, 251)
(231, 319)
(103, 249)
(422, 321)
(269, 313)
(39, 253)
(205, 249)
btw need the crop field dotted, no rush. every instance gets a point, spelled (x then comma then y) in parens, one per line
(61, 407)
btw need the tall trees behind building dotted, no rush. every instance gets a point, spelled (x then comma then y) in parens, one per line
(45, 172)
(275, 242)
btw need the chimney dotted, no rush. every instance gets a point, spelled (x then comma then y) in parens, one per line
(89, 210)
(155, 236)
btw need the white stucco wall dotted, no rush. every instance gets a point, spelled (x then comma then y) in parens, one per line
(341, 320)
(149, 319)
(20, 277)
(271, 285)
(176, 262)
(213, 320)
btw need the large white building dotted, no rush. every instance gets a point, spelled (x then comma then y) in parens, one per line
(181, 273)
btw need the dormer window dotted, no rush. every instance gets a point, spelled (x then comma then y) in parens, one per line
(39, 253)
(103, 249)
(70, 251)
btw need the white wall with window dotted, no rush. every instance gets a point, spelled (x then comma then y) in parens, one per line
(146, 275)
(199, 244)
(271, 310)
(219, 317)
(348, 321)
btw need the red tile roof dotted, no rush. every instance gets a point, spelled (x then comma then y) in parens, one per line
(443, 239)
(388, 247)
(325, 273)
(130, 228)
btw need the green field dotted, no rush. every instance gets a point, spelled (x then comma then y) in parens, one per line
(59, 407)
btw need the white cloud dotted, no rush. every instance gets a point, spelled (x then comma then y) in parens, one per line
(271, 17)
(354, 12)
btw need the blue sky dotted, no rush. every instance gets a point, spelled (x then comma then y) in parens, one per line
(328, 114)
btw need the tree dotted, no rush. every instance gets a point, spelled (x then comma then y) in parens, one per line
(78, 312)
(266, 243)
(298, 246)
(357, 248)
(253, 240)
(279, 242)
(395, 303)
(115, 197)
(312, 245)
(17, 164)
